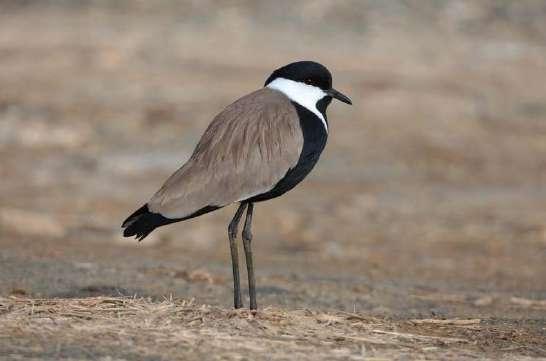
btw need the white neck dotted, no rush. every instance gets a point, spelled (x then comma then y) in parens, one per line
(305, 95)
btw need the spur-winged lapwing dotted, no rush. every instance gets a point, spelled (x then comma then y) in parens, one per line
(256, 149)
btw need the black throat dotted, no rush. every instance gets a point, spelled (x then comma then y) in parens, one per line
(322, 105)
(315, 136)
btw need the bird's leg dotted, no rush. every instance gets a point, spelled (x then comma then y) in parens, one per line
(232, 235)
(247, 238)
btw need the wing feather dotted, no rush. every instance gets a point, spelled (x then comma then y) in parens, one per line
(246, 150)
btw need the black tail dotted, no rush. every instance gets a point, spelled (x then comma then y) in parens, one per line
(142, 222)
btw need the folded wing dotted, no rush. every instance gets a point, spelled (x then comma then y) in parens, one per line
(245, 151)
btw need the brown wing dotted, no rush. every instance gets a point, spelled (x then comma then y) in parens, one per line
(245, 151)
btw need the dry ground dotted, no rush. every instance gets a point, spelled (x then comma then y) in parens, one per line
(420, 235)
(138, 329)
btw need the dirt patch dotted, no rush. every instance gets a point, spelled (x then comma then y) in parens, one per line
(129, 328)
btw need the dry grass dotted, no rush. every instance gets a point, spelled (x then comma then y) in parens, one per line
(136, 328)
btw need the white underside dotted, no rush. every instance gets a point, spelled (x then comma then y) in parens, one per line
(305, 95)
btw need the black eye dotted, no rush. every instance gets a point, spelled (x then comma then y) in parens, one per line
(308, 81)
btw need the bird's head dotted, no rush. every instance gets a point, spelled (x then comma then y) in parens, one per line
(306, 82)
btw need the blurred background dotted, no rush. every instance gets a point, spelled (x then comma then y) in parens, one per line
(429, 198)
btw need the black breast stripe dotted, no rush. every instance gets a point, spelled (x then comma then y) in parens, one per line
(314, 141)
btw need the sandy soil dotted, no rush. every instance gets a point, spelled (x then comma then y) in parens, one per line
(138, 329)
(420, 235)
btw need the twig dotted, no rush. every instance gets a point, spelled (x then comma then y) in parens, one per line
(422, 337)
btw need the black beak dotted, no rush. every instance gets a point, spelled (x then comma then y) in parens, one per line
(339, 96)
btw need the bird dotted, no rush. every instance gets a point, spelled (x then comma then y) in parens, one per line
(258, 148)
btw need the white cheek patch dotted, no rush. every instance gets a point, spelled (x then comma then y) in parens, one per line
(305, 95)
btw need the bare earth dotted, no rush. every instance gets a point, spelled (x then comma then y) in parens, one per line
(420, 235)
